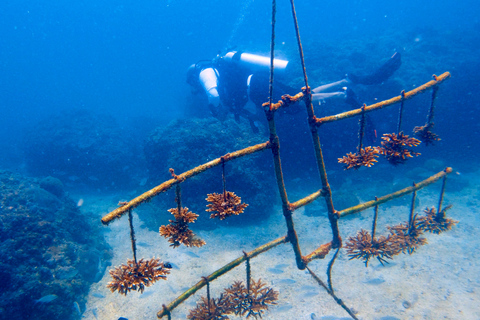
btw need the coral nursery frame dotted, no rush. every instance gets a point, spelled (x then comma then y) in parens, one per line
(288, 207)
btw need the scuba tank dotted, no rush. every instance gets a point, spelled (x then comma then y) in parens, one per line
(254, 62)
(203, 76)
(209, 80)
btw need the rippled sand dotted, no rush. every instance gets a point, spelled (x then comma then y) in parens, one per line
(440, 281)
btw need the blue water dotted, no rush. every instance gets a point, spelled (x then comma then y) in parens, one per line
(128, 58)
(125, 63)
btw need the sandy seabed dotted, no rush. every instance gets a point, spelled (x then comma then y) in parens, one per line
(439, 281)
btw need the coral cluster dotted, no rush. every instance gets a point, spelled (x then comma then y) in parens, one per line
(137, 275)
(213, 309)
(225, 204)
(395, 147)
(178, 232)
(425, 134)
(403, 238)
(237, 300)
(363, 247)
(253, 303)
(366, 157)
(436, 223)
(407, 237)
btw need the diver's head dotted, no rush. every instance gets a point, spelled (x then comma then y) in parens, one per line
(192, 75)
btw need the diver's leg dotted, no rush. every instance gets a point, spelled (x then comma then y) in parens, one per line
(330, 96)
(332, 86)
(380, 75)
(345, 96)
(348, 97)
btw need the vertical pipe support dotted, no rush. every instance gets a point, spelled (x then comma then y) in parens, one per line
(132, 235)
(275, 143)
(431, 112)
(412, 207)
(224, 180)
(400, 111)
(440, 214)
(287, 211)
(207, 282)
(375, 216)
(332, 213)
(178, 198)
(248, 271)
(272, 52)
(361, 130)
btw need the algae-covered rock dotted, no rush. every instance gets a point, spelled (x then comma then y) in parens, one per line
(82, 148)
(185, 144)
(53, 185)
(49, 251)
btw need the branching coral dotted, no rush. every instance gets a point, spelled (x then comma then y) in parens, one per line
(137, 276)
(366, 157)
(363, 247)
(178, 232)
(425, 134)
(253, 303)
(213, 309)
(436, 223)
(237, 300)
(407, 237)
(351, 160)
(403, 238)
(225, 204)
(394, 147)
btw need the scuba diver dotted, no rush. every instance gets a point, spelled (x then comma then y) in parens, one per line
(238, 83)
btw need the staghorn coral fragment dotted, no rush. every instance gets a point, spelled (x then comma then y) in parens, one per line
(407, 238)
(137, 275)
(366, 157)
(178, 232)
(236, 300)
(363, 247)
(351, 160)
(395, 147)
(436, 223)
(224, 205)
(425, 134)
(369, 155)
(215, 309)
(185, 215)
(253, 303)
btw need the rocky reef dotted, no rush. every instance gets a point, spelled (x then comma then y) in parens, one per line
(49, 252)
(83, 149)
(184, 144)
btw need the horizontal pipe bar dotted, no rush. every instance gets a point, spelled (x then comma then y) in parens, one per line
(397, 194)
(184, 296)
(286, 100)
(307, 200)
(318, 253)
(382, 104)
(117, 213)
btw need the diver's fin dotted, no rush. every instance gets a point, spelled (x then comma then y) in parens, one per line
(381, 74)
